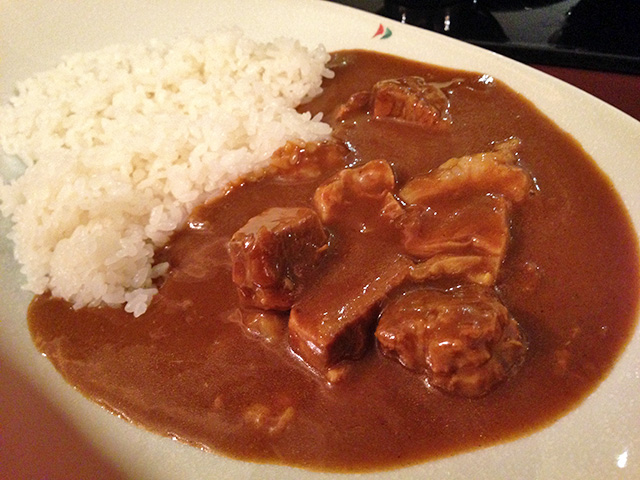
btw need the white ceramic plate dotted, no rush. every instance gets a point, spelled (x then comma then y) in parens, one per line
(48, 430)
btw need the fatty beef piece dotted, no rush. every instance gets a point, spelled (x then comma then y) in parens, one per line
(299, 161)
(408, 99)
(272, 253)
(465, 239)
(334, 318)
(368, 189)
(494, 172)
(458, 215)
(463, 339)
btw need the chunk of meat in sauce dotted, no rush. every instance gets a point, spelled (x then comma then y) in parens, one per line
(460, 238)
(352, 189)
(464, 339)
(300, 162)
(273, 252)
(494, 172)
(457, 219)
(326, 329)
(409, 99)
(333, 320)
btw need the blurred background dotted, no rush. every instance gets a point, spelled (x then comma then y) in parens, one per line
(593, 44)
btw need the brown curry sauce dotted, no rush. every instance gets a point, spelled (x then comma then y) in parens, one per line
(187, 369)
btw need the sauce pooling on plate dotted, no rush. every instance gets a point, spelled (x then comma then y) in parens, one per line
(523, 284)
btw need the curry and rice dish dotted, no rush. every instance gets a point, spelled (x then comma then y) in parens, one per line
(445, 270)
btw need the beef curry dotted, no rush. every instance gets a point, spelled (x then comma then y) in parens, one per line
(449, 271)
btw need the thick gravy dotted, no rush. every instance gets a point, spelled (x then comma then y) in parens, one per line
(188, 368)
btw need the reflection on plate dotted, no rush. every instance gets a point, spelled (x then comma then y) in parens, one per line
(50, 431)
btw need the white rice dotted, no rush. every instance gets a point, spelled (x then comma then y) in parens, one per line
(121, 144)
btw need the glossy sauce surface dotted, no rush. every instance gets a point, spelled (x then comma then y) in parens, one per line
(188, 368)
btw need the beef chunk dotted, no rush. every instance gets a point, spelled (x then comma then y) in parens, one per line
(300, 162)
(411, 99)
(272, 253)
(494, 172)
(463, 238)
(407, 99)
(355, 188)
(457, 218)
(464, 339)
(334, 318)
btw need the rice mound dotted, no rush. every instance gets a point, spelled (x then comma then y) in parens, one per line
(121, 144)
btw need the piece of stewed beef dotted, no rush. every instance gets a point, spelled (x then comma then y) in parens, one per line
(408, 99)
(272, 253)
(464, 339)
(334, 318)
(457, 217)
(355, 192)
